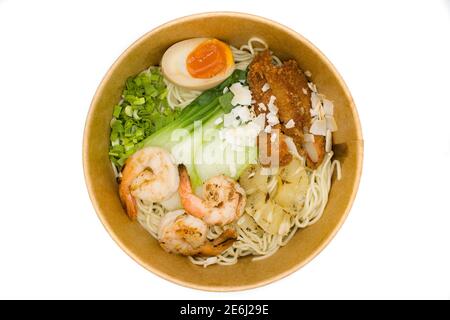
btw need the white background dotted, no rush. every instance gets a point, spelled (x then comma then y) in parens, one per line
(395, 58)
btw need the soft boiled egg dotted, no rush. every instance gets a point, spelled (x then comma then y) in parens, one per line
(198, 64)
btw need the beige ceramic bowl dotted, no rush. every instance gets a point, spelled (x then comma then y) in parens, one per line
(236, 29)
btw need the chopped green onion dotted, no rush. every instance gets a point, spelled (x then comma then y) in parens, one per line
(154, 77)
(143, 110)
(139, 101)
(129, 111)
(116, 112)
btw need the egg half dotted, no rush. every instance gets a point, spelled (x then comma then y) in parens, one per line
(198, 64)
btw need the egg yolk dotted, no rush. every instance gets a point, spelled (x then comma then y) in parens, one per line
(209, 59)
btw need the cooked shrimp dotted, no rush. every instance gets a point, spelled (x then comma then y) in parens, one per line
(224, 199)
(185, 234)
(149, 175)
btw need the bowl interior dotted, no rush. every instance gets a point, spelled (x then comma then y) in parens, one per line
(235, 29)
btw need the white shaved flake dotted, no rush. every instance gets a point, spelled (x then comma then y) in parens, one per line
(260, 121)
(321, 113)
(305, 92)
(242, 112)
(331, 123)
(225, 90)
(290, 124)
(273, 137)
(312, 86)
(292, 147)
(218, 121)
(272, 108)
(272, 119)
(262, 107)
(328, 141)
(251, 175)
(271, 105)
(268, 129)
(242, 135)
(308, 73)
(328, 107)
(316, 106)
(265, 87)
(315, 101)
(242, 94)
(319, 128)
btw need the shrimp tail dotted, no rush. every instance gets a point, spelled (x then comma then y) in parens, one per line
(130, 205)
(127, 199)
(220, 244)
(190, 202)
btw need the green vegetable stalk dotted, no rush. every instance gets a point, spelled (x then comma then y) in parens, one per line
(209, 105)
(144, 118)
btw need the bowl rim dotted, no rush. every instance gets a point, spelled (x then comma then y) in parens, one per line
(357, 168)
